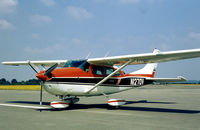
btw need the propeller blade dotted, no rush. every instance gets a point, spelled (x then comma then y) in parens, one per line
(41, 92)
(48, 72)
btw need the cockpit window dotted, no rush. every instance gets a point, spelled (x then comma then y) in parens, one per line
(85, 66)
(82, 64)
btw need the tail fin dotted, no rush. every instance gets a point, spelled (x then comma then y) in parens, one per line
(148, 70)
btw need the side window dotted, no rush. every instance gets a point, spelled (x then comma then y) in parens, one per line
(118, 74)
(98, 70)
(110, 70)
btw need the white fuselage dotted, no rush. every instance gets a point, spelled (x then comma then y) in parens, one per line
(80, 90)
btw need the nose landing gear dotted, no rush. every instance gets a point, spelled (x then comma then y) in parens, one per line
(66, 102)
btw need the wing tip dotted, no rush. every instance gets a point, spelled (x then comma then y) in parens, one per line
(9, 63)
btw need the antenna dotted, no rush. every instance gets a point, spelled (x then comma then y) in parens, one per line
(88, 55)
(107, 54)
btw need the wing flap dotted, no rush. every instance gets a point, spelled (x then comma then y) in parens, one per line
(147, 57)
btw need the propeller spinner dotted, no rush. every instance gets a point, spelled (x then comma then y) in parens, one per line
(45, 75)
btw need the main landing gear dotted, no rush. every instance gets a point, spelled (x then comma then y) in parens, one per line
(114, 102)
(66, 102)
(70, 100)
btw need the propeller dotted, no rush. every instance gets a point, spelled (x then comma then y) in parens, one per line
(49, 75)
(46, 73)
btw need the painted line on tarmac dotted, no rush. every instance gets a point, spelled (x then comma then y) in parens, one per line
(23, 106)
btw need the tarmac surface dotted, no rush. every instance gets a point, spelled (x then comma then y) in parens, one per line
(148, 108)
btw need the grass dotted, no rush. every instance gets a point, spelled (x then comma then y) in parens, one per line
(20, 87)
(37, 87)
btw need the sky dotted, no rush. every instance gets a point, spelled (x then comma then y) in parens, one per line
(76, 29)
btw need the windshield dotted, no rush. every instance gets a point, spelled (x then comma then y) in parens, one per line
(82, 64)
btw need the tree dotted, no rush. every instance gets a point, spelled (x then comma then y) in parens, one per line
(4, 82)
(14, 82)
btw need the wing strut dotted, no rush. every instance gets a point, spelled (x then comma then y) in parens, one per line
(35, 68)
(110, 75)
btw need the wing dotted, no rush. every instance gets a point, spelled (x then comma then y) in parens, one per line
(167, 80)
(154, 57)
(145, 58)
(36, 63)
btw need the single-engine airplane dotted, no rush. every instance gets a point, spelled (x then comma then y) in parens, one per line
(100, 76)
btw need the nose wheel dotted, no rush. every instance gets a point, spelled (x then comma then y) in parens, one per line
(59, 104)
(66, 102)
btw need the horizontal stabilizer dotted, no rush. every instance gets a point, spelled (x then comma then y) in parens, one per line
(166, 80)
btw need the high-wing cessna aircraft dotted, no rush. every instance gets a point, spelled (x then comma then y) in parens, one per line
(70, 79)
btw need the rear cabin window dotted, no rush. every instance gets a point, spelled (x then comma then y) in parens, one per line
(110, 70)
(98, 70)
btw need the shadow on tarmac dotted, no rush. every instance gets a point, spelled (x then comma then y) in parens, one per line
(107, 107)
(30, 102)
(145, 101)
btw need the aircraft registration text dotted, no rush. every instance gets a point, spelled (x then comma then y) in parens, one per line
(137, 81)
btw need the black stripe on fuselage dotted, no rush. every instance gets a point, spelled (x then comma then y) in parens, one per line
(90, 84)
(125, 82)
(84, 80)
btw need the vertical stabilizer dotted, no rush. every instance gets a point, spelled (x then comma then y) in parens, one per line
(148, 70)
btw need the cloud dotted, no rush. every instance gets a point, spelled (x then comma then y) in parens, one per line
(44, 51)
(35, 36)
(129, 1)
(5, 25)
(40, 20)
(7, 6)
(194, 35)
(78, 13)
(64, 49)
(164, 46)
(138, 1)
(48, 2)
